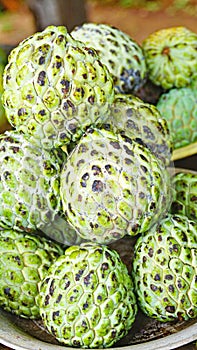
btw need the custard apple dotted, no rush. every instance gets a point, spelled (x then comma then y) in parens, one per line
(141, 121)
(171, 56)
(179, 108)
(118, 51)
(55, 87)
(185, 195)
(165, 269)
(111, 186)
(24, 262)
(87, 300)
(30, 181)
(3, 62)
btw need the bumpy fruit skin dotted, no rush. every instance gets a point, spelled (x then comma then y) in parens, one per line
(171, 57)
(87, 300)
(111, 186)
(24, 262)
(29, 186)
(55, 87)
(3, 62)
(164, 269)
(185, 195)
(118, 51)
(179, 108)
(141, 121)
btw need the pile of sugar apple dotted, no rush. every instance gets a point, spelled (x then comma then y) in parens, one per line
(88, 163)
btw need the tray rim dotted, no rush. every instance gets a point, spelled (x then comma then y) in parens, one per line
(18, 339)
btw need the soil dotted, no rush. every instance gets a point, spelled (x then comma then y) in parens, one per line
(19, 23)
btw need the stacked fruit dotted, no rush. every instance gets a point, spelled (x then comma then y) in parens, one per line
(171, 59)
(86, 164)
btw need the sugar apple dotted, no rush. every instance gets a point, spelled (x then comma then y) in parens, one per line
(142, 121)
(29, 186)
(179, 108)
(118, 51)
(55, 87)
(111, 185)
(24, 262)
(165, 269)
(185, 195)
(87, 300)
(171, 56)
(3, 62)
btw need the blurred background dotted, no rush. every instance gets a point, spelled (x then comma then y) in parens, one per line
(138, 18)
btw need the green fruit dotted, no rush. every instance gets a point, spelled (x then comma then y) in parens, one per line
(171, 57)
(24, 262)
(111, 186)
(87, 300)
(165, 269)
(141, 121)
(179, 108)
(3, 62)
(29, 186)
(118, 51)
(55, 87)
(185, 195)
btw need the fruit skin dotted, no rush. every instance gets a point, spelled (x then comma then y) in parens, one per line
(24, 262)
(111, 186)
(171, 57)
(29, 186)
(55, 87)
(143, 122)
(118, 51)
(164, 269)
(87, 300)
(185, 195)
(3, 62)
(179, 108)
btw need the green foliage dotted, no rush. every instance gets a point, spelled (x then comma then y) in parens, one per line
(188, 6)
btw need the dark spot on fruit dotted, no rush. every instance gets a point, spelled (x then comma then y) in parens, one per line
(144, 259)
(41, 60)
(97, 170)
(15, 149)
(59, 298)
(153, 287)
(170, 309)
(150, 252)
(91, 100)
(80, 198)
(128, 161)
(46, 301)
(7, 291)
(115, 144)
(52, 288)
(41, 78)
(87, 279)
(168, 277)
(55, 314)
(171, 288)
(144, 169)
(67, 284)
(21, 111)
(42, 112)
(104, 266)
(97, 186)
(17, 259)
(157, 277)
